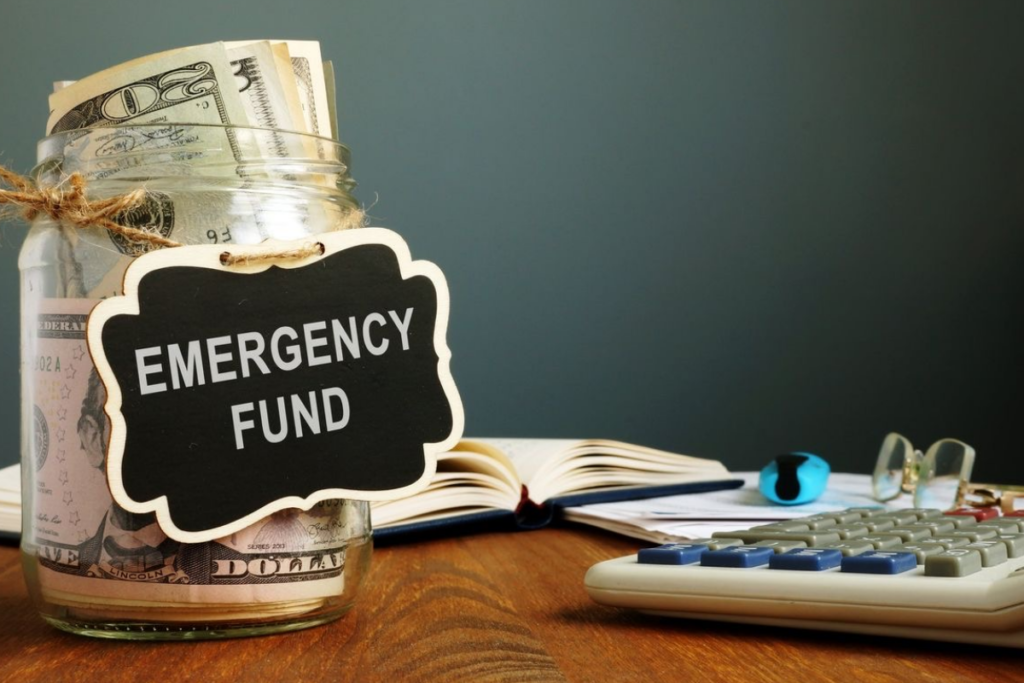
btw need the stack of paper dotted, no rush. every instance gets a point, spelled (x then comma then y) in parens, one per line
(674, 518)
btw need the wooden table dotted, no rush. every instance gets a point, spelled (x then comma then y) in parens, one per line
(488, 607)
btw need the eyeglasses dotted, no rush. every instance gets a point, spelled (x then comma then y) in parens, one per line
(938, 478)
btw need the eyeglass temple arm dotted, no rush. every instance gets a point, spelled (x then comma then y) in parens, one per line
(988, 495)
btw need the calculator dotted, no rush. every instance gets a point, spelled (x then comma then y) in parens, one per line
(918, 573)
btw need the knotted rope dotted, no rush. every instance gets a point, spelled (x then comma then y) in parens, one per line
(67, 203)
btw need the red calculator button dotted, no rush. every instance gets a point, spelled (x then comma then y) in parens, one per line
(980, 514)
(1015, 513)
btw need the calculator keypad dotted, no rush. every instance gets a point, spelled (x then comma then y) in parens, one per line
(860, 541)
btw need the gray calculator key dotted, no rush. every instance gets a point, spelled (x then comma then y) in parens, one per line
(974, 534)
(874, 525)
(910, 534)
(781, 526)
(817, 522)
(843, 517)
(882, 541)
(955, 562)
(849, 531)
(899, 518)
(992, 552)
(961, 520)
(938, 527)
(716, 543)
(811, 538)
(739, 535)
(922, 550)
(781, 546)
(852, 547)
(948, 542)
(1014, 543)
(924, 514)
(867, 512)
(1002, 525)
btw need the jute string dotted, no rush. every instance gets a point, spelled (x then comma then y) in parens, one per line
(67, 204)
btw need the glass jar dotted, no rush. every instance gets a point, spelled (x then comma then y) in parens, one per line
(91, 567)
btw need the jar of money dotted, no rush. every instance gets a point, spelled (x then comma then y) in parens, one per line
(92, 567)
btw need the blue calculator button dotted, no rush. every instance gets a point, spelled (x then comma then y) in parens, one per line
(807, 559)
(738, 556)
(672, 553)
(880, 562)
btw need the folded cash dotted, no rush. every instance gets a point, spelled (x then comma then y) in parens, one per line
(276, 84)
(194, 107)
(231, 114)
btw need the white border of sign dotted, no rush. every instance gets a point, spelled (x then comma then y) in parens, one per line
(208, 256)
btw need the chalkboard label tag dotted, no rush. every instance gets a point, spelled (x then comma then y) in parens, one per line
(237, 391)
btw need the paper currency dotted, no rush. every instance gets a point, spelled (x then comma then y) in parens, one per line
(331, 81)
(193, 85)
(306, 67)
(179, 120)
(263, 93)
(307, 64)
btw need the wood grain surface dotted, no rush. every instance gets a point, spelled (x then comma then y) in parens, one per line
(487, 607)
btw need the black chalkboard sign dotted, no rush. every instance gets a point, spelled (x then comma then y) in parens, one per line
(235, 392)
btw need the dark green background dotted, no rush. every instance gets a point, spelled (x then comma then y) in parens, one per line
(729, 229)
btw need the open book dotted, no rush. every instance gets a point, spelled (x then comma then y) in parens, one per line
(524, 482)
(520, 483)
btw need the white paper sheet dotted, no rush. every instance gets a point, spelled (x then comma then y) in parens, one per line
(698, 515)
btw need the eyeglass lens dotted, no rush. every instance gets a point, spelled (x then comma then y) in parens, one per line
(945, 465)
(888, 478)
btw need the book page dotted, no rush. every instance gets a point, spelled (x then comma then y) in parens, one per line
(447, 496)
(555, 467)
(472, 477)
(530, 456)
